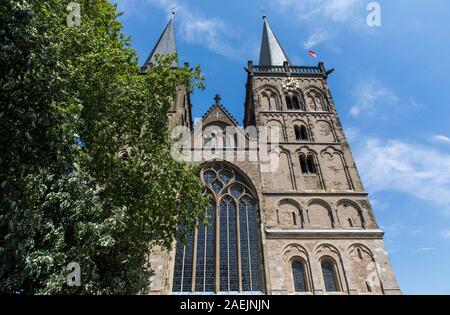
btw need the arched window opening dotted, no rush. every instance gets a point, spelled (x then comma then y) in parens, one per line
(329, 276)
(300, 133)
(298, 274)
(307, 164)
(288, 102)
(303, 133)
(303, 164)
(311, 165)
(296, 103)
(233, 208)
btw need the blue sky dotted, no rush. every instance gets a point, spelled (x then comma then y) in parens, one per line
(390, 86)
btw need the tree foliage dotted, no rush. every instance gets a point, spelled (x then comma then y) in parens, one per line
(71, 98)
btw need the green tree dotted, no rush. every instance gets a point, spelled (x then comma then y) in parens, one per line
(71, 98)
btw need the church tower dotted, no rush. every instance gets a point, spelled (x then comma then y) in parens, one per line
(320, 234)
(181, 112)
(304, 226)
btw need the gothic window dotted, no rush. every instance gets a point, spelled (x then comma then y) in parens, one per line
(307, 164)
(235, 236)
(204, 278)
(298, 274)
(329, 275)
(228, 246)
(183, 258)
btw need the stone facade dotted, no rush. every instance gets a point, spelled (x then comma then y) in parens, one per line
(313, 208)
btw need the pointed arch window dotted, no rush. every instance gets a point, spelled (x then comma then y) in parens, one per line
(298, 274)
(329, 275)
(183, 258)
(227, 251)
(204, 277)
(228, 246)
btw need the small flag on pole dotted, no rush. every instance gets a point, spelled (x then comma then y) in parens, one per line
(313, 54)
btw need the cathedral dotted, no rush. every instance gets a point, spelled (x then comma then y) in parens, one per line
(302, 227)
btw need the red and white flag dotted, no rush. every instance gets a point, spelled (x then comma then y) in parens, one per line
(313, 54)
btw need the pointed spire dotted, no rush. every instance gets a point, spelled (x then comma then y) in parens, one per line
(272, 54)
(166, 44)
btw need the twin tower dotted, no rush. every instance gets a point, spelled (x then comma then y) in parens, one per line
(307, 226)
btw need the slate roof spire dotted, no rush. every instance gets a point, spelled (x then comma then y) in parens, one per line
(166, 44)
(272, 54)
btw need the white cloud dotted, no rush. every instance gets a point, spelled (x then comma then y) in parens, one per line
(334, 10)
(441, 138)
(208, 33)
(424, 249)
(330, 16)
(370, 93)
(193, 26)
(419, 171)
(316, 38)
